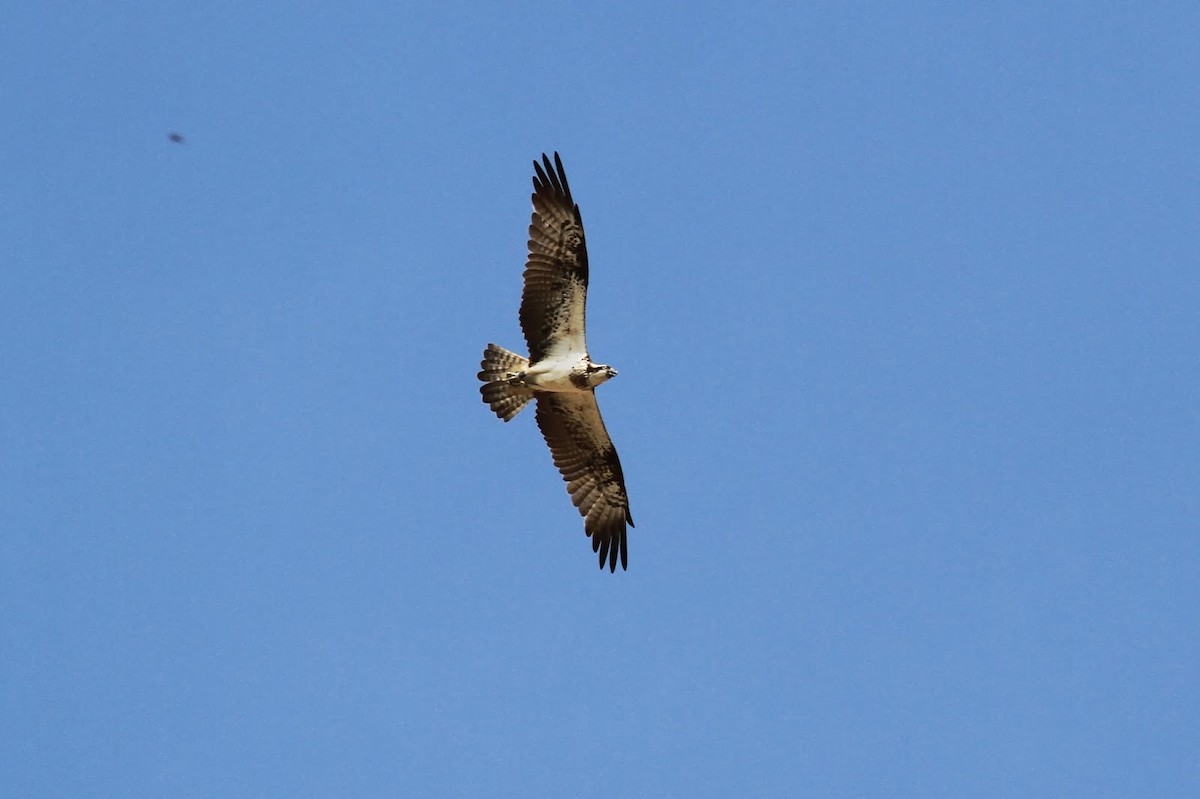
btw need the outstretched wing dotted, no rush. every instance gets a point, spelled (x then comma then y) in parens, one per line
(584, 454)
(556, 271)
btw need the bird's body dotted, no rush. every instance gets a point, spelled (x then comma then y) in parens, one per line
(559, 374)
(565, 374)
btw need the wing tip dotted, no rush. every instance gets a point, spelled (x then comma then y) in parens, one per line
(553, 177)
(611, 545)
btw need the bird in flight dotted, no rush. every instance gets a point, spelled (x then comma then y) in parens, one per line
(559, 374)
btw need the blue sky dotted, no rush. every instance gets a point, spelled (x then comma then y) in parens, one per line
(904, 303)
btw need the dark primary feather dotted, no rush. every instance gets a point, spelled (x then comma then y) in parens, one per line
(556, 269)
(588, 462)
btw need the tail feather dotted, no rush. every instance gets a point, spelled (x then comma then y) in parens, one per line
(497, 366)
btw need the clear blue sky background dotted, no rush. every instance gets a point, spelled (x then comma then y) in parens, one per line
(904, 298)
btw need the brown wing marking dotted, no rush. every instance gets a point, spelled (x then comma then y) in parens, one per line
(584, 454)
(553, 303)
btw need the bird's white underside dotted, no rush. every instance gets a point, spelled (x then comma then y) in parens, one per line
(554, 373)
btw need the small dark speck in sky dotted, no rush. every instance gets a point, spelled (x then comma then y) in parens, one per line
(175, 137)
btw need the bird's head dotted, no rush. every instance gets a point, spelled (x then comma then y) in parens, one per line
(597, 373)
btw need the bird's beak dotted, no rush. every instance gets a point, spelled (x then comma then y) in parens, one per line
(614, 371)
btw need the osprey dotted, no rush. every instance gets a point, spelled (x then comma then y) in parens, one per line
(559, 373)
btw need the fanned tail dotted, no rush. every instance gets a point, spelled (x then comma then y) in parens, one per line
(497, 366)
